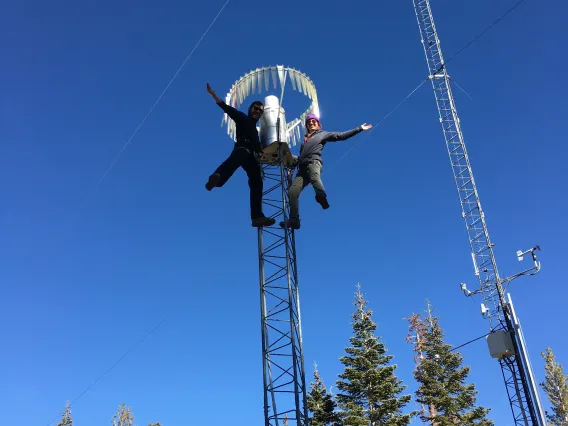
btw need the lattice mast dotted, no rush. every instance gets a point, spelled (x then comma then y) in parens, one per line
(284, 381)
(494, 307)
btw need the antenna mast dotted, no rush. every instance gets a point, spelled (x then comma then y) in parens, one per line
(505, 342)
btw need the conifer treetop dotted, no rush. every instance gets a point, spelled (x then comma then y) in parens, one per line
(441, 377)
(368, 389)
(66, 419)
(556, 387)
(321, 403)
(123, 416)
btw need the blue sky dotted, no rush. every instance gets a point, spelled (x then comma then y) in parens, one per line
(85, 277)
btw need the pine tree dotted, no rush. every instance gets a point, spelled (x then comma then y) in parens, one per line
(66, 419)
(416, 332)
(556, 387)
(321, 403)
(123, 417)
(369, 389)
(441, 379)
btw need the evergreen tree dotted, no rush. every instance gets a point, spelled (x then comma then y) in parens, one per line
(416, 332)
(369, 389)
(441, 379)
(321, 403)
(556, 387)
(66, 419)
(123, 417)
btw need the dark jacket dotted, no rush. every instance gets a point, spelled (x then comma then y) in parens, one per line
(247, 133)
(312, 148)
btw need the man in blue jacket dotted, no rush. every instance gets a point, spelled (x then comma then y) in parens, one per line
(243, 155)
(310, 165)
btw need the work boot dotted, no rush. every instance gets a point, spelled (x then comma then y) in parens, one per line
(293, 223)
(263, 221)
(213, 181)
(322, 200)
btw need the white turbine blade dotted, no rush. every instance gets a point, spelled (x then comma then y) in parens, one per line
(247, 85)
(239, 94)
(291, 134)
(234, 98)
(266, 78)
(253, 82)
(273, 69)
(304, 84)
(259, 80)
(243, 91)
(299, 81)
(293, 79)
(281, 75)
(310, 90)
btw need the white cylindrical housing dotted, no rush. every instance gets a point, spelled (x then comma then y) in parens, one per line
(268, 132)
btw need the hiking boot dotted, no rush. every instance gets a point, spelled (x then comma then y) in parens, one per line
(293, 223)
(322, 200)
(263, 221)
(213, 181)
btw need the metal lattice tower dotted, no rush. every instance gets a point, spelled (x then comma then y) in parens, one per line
(515, 365)
(281, 332)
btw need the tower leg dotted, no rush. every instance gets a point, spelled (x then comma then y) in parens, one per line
(282, 351)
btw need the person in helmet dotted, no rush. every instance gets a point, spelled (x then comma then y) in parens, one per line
(243, 155)
(310, 164)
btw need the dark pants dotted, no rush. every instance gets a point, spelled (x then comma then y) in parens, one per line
(242, 157)
(310, 173)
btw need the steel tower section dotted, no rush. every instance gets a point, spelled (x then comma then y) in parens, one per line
(284, 381)
(520, 389)
(282, 349)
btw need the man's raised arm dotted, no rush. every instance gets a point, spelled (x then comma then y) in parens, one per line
(235, 114)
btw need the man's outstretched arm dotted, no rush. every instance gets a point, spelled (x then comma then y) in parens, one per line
(341, 136)
(235, 114)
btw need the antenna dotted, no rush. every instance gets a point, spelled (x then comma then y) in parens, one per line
(505, 342)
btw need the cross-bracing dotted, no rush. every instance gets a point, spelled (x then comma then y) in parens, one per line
(282, 353)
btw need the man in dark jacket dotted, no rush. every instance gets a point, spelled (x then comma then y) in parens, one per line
(243, 155)
(310, 165)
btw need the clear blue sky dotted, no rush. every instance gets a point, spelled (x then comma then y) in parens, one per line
(84, 278)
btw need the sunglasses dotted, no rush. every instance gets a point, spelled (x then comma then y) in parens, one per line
(257, 108)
